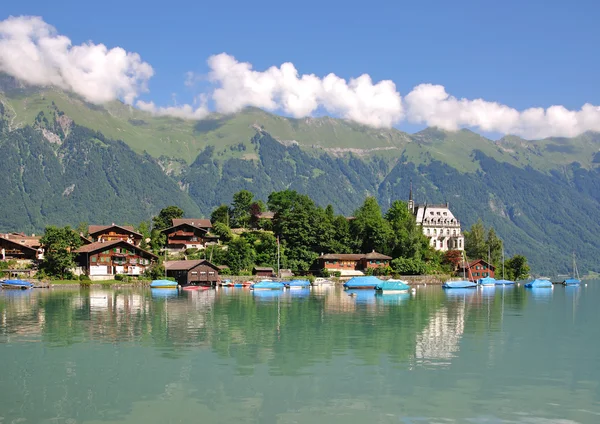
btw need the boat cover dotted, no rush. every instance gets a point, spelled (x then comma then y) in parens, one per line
(539, 283)
(571, 282)
(486, 281)
(17, 283)
(362, 282)
(163, 284)
(463, 284)
(504, 282)
(275, 285)
(392, 285)
(298, 283)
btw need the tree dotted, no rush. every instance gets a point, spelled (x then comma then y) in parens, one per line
(240, 255)
(165, 217)
(453, 257)
(240, 208)
(494, 245)
(223, 231)
(60, 244)
(221, 214)
(144, 230)
(370, 229)
(475, 241)
(408, 239)
(516, 268)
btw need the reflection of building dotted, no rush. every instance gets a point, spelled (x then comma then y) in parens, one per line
(352, 264)
(439, 341)
(439, 225)
(103, 260)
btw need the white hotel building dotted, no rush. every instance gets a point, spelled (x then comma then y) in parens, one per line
(439, 225)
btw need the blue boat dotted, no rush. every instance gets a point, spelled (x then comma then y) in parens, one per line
(461, 284)
(574, 281)
(487, 281)
(504, 282)
(267, 285)
(162, 293)
(392, 298)
(297, 284)
(16, 284)
(539, 283)
(357, 283)
(163, 284)
(361, 296)
(392, 286)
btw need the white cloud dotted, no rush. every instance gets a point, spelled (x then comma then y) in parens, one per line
(238, 86)
(178, 111)
(33, 52)
(431, 105)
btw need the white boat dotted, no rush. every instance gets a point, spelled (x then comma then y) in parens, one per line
(322, 282)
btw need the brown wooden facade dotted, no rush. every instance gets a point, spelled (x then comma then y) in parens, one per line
(352, 261)
(477, 269)
(11, 249)
(102, 259)
(187, 236)
(100, 233)
(193, 273)
(263, 271)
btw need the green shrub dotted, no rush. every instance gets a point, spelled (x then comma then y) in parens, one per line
(84, 277)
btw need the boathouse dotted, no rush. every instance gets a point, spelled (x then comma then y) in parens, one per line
(263, 271)
(477, 269)
(198, 272)
(103, 260)
(351, 264)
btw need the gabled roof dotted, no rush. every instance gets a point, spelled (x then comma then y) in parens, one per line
(266, 215)
(375, 255)
(196, 222)
(23, 239)
(187, 265)
(20, 245)
(98, 246)
(94, 229)
(181, 224)
(475, 262)
(262, 268)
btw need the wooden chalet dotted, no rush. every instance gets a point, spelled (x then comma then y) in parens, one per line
(352, 263)
(103, 260)
(263, 271)
(476, 269)
(193, 273)
(100, 233)
(189, 233)
(20, 246)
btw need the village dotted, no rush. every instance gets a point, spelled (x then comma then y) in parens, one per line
(118, 252)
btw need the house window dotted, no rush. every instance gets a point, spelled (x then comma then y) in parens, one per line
(435, 231)
(194, 272)
(203, 273)
(94, 258)
(211, 273)
(428, 232)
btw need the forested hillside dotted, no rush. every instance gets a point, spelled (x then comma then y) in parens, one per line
(60, 163)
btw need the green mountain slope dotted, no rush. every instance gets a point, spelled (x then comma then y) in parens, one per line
(62, 165)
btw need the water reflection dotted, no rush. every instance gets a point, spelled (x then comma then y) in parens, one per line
(299, 356)
(542, 294)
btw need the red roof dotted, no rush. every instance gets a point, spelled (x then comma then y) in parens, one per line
(195, 222)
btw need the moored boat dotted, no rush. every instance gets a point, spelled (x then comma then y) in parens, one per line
(573, 281)
(163, 284)
(195, 288)
(16, 284)
(359, 283)
(392, 286)
(504, 282)
(322, 282)
(487, 281)
(267, 285)
(460, 284)
(539, 283)
(297, 284)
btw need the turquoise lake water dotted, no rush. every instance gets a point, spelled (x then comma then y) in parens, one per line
(491, 355)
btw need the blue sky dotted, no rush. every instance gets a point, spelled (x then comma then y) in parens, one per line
(519, 53)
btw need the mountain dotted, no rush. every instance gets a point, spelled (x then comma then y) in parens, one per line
(66, 161)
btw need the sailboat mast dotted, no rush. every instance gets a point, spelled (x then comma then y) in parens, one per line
(503, 261)
(278, 257)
